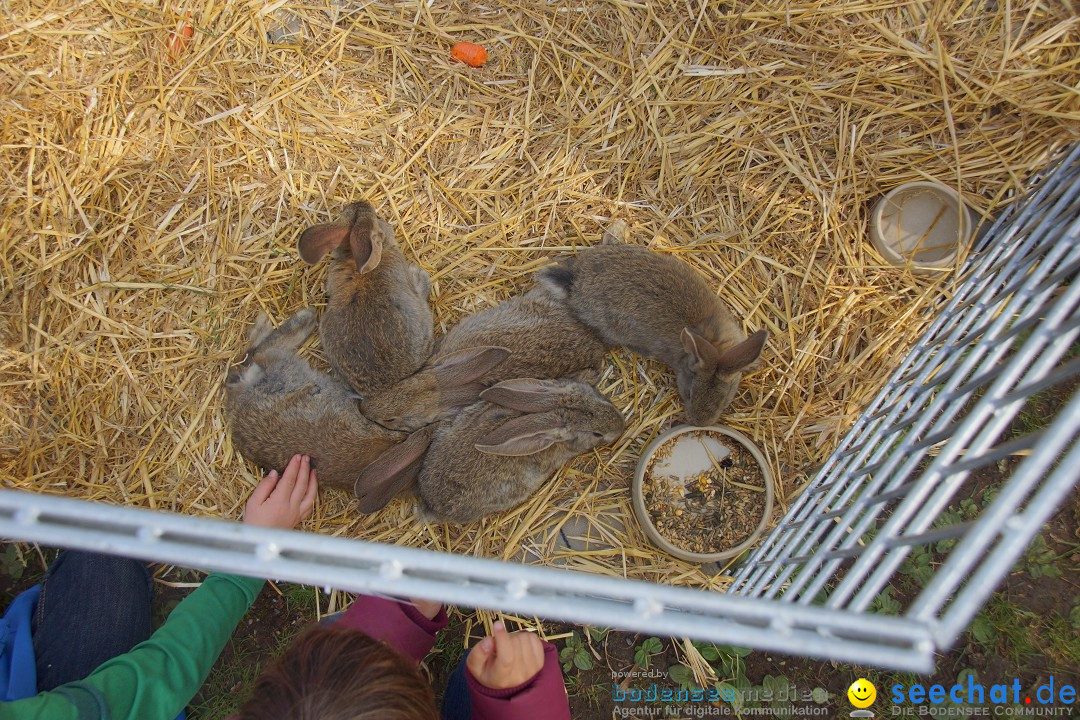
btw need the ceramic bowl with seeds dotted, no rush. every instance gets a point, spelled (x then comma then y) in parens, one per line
(703, 494)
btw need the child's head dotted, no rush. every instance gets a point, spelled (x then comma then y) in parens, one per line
(337, 673)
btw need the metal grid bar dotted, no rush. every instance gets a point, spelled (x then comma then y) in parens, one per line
(380, 569)
(974, 440)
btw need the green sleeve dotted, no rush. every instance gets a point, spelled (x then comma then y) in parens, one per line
(159, 676)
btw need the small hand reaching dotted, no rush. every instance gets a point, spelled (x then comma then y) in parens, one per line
(282, 502)
(506, 660)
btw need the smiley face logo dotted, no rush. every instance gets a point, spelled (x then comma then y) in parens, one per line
(862, 693)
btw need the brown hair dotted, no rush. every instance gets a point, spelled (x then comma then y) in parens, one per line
(339, 673)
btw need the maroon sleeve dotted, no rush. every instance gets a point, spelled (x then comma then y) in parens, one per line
(542, 698)
(398, 624)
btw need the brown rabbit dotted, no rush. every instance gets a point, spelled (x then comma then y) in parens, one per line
(659, 306)
(277, 406)
(377, 326)
(494, 454)
(543, 337)
(447, 382)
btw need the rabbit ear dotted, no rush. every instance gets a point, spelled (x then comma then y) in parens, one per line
(318, 240)
(525, 394)
(743, 354)
(468, 365)
(616, 233)
(366, 241)
(525, 435)
(393, 471)
(702, 352)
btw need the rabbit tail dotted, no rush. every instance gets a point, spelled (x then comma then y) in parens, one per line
(558, 279)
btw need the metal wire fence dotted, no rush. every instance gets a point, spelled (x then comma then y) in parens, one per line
(963, 407)
(883, 504)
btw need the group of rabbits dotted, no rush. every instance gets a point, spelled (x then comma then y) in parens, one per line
(478, 421)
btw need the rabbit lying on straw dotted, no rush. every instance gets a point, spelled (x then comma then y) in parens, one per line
(277, 405)
(659, 306)
(514, 431)
(494, 454)
(377, 325)
(543, 339)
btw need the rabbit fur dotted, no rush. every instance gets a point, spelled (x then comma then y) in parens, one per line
(543, 339)
(277, 406)
(495, 453)
(659, 306)
(377, 327)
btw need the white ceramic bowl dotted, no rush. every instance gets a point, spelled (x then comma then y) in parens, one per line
(643, 513)
(921, 226)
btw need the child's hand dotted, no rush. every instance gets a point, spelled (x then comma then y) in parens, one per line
(507, 659)
(283, 502)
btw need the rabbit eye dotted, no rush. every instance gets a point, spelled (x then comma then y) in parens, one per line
(597, 434)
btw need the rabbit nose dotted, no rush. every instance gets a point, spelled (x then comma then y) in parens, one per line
(609, 437)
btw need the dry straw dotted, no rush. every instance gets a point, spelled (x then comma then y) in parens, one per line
(151, 204)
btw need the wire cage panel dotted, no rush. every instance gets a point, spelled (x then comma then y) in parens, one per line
(959, 403)
(1007, 334)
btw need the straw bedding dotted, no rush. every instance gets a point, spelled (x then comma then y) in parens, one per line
(151, 206)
